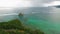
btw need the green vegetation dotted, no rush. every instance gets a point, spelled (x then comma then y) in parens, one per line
(16, 27)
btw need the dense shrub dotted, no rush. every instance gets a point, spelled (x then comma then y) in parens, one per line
(16, 27)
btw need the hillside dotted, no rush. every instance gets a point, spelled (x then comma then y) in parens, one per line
(16, 27)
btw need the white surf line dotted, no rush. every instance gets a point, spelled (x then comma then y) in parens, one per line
(8, 14)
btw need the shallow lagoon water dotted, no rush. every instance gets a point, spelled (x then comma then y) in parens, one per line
(46, 19)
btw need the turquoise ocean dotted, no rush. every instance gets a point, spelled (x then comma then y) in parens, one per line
(46, 19)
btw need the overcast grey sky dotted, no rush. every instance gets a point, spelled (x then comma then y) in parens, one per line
(38, 3)
(23, 3)
(10, 4)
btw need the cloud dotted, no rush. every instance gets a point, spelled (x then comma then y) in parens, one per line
(15, 3)
(43, 3)
(39, 3)
(23, 3)
(53, 3)
(8, 6)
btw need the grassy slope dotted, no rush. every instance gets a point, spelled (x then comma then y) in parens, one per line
(16, 27)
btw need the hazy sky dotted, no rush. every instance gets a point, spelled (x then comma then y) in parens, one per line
(7, 6)
(39, 3)
(23, 3)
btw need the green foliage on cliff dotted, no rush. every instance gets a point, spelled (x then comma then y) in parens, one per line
(16, 27)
